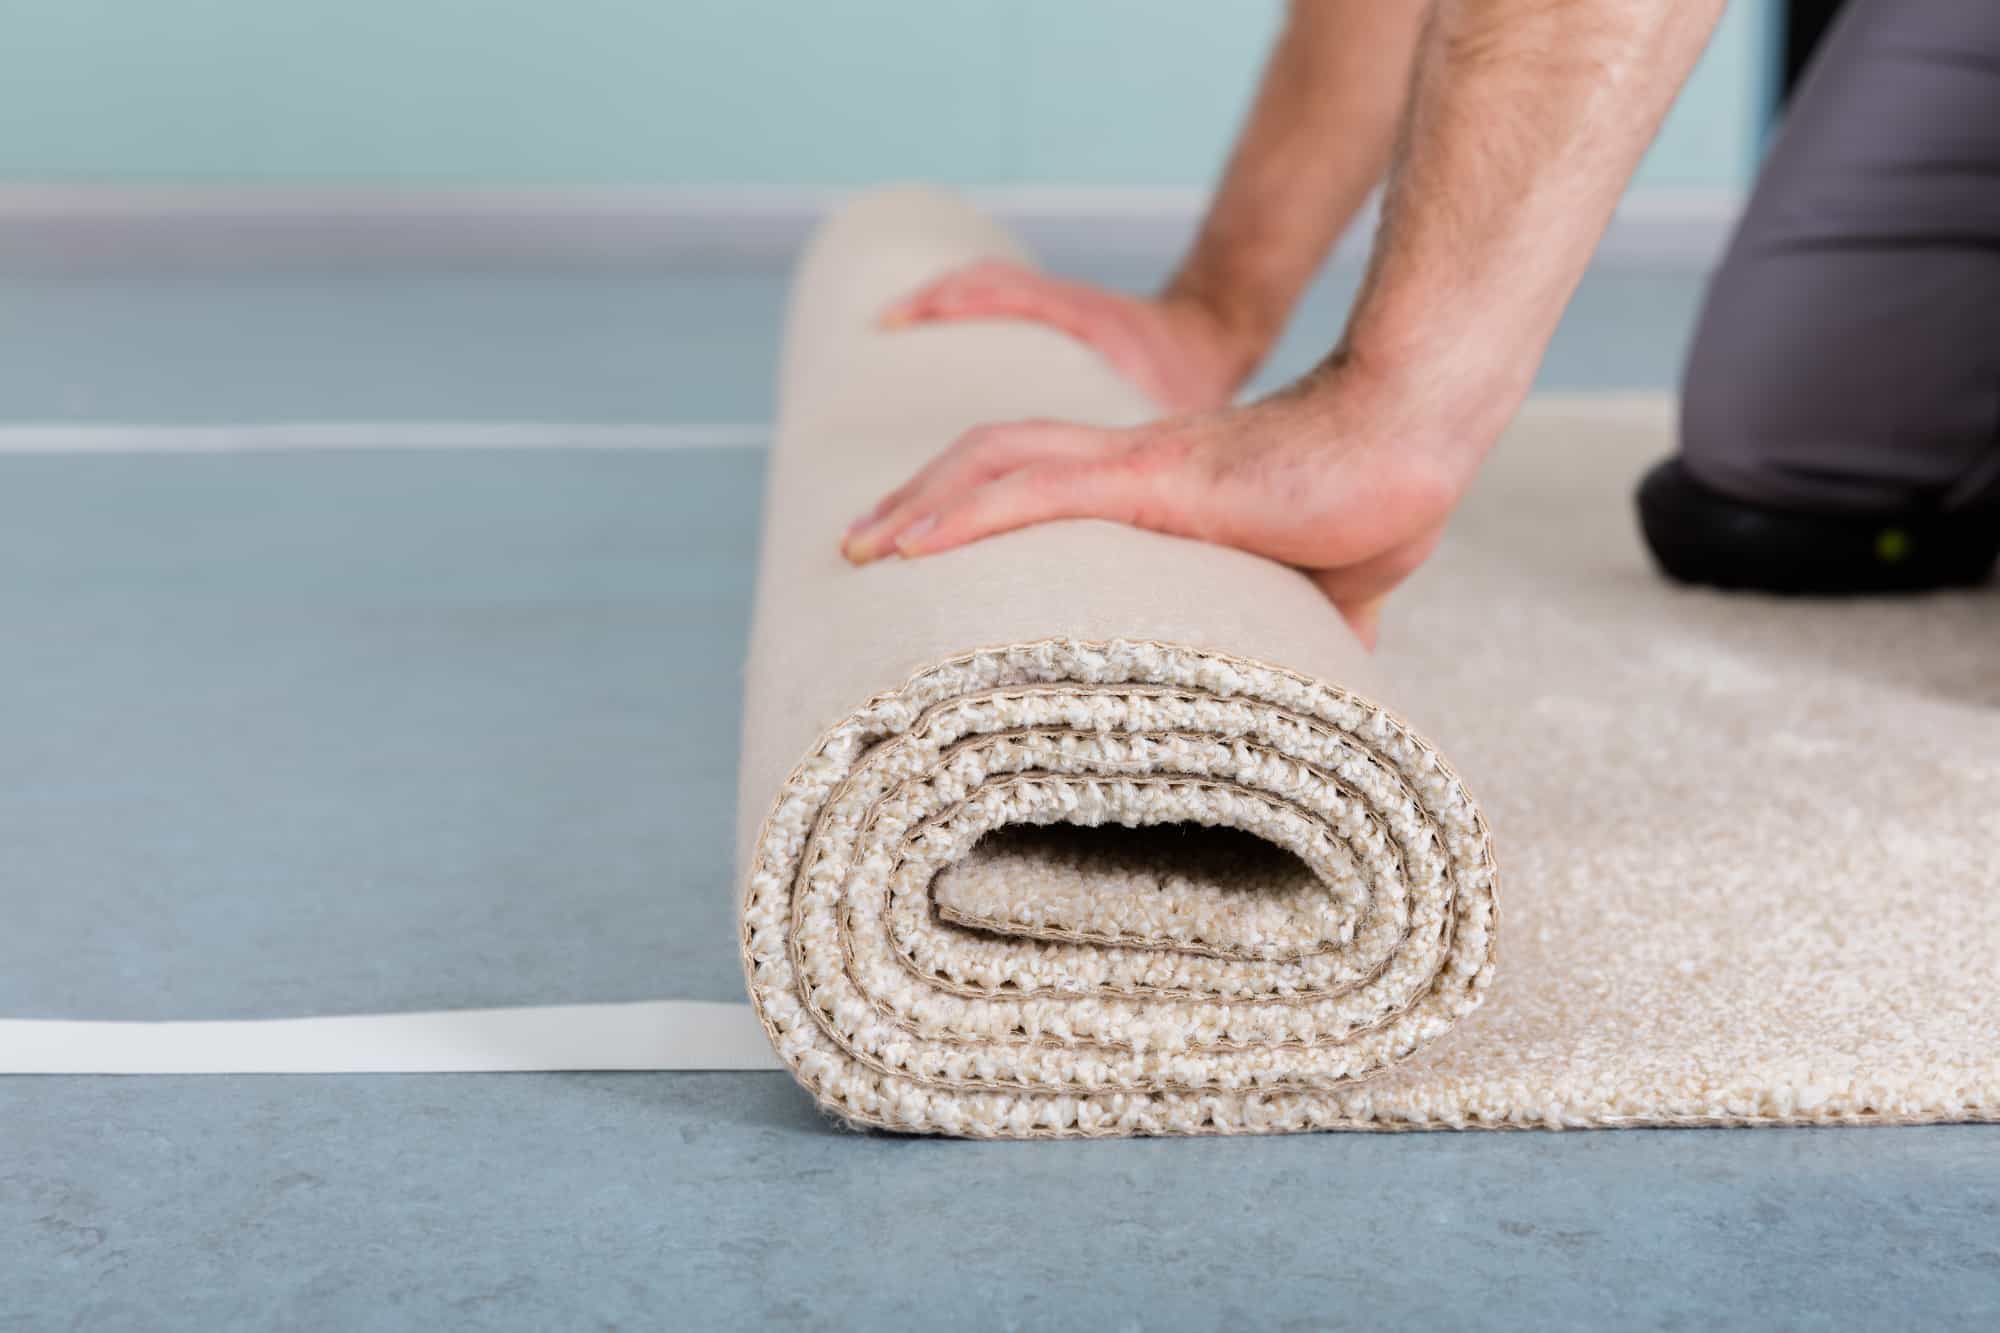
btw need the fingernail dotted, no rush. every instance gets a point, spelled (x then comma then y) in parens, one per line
(915, 533)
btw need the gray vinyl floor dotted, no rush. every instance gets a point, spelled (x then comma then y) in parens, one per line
(328, 731)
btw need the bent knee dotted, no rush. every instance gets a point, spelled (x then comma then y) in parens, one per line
(1837, 391)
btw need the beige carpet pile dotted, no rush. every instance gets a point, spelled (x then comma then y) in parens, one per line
(1086, 831)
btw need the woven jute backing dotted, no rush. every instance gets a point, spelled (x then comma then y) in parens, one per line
(1086, 831)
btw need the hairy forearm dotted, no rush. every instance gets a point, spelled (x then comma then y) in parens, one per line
(1526, 119)
(1317, 140)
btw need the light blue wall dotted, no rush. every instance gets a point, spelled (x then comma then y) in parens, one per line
(686, 91)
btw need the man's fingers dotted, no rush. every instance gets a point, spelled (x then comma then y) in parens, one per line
(1037, 493)
(986, 288)
(865, 537)
(969, 457)
(995, 290)
(974, 458)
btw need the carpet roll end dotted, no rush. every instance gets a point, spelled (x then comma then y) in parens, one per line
(1071, 888)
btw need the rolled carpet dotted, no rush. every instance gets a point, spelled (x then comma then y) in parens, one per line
(1080, 830)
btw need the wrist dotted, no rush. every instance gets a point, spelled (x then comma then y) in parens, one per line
(1237, 326)
(1424, 409)
(1456, 377)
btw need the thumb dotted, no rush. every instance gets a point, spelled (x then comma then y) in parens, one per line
(1364, 618)
(1358, 591)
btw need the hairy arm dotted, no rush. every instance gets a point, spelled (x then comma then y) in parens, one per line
(1525, 121)
(1316, 142)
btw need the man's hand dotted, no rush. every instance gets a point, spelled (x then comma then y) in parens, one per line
(1524, 120)
(1173, 348)
(1315, 477)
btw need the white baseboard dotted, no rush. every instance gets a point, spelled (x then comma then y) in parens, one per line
(117, 226)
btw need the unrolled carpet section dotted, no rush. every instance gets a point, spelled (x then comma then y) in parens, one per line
(1081, 830)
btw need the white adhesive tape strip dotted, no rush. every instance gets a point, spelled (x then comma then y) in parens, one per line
(645, 1035)
(60, 437)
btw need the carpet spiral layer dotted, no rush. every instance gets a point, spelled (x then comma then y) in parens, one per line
(1241, 979)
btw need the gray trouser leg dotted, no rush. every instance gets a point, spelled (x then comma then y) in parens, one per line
(1848, 355)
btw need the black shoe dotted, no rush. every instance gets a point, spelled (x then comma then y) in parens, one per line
(1700, 535)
